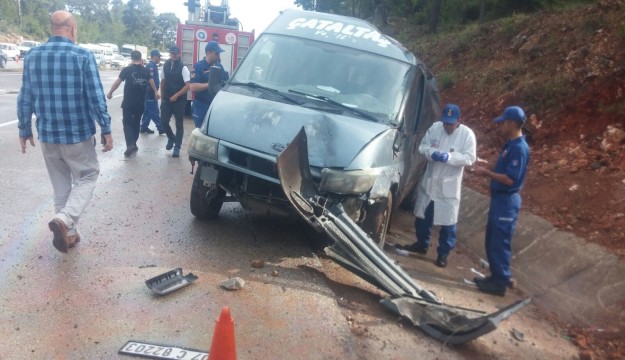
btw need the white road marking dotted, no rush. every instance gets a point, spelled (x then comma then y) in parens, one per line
(8, 123)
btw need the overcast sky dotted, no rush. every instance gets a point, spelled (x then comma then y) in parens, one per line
(253, 14)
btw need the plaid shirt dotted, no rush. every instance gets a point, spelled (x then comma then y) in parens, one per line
(61, 86)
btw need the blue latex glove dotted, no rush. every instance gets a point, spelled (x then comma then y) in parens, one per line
(441, 157)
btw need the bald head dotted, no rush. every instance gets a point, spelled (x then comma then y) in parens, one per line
(63, 24)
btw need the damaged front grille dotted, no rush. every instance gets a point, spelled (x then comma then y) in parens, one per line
(253, 163)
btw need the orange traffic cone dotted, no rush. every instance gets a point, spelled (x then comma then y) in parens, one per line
(223, 347)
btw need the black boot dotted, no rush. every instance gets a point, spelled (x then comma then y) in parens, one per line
(479, 279)
(441, 261)
(413, 248)
(490, 287)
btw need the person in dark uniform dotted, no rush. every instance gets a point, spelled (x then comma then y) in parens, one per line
(505, 202)
(135, 77)
(199, 84)
(152, 96)
(174, 87)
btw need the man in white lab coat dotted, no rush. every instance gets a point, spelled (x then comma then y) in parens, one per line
(449, 146)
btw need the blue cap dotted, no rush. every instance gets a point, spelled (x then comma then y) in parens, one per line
(174, 50)
(451, 114)
(214, 47)
(512, 113)
(154, 53)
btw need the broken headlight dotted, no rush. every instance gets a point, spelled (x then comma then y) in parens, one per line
(347, 181)
(203, 145)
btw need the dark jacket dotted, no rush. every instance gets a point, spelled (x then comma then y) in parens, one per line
(172, 75)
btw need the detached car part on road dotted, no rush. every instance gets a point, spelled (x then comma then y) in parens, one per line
(323, 118)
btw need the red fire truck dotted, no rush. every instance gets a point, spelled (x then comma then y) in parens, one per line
(209, 22)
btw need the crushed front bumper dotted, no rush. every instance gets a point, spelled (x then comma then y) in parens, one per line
(357, 252)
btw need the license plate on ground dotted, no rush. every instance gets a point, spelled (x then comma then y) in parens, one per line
(152, 351)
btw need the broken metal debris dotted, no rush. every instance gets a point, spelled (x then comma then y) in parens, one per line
(169, 281)
(402, 252)
(357, 252)
(477, 273)
(519, 336)
(235, 283)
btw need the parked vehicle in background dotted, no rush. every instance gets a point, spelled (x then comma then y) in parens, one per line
(114, 48)
(99, 59)
(120, 61)
(26, 45)
(11, 51)
(3, 59)
(106, 52)
(128, 48)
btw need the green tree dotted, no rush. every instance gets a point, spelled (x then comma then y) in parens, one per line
(165, 27)
(434, 16)
(36, 17)
(90, 10)
(139, 20)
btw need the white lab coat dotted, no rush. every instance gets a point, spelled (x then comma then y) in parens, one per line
(442, 182)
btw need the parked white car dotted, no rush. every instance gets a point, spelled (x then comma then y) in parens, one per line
(11, 50)
(119, 61)
(99, 59)
(27, 45)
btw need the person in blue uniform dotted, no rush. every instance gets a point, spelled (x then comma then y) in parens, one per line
(506, 181)
(199, 84)
(152, 96)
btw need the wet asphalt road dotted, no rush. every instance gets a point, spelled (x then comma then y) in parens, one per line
(89, 303)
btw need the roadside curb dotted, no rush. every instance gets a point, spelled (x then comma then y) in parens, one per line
(579, 281)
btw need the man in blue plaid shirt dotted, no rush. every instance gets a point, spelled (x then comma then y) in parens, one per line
(61, 86)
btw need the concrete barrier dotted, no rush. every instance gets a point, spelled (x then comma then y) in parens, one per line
(579, 281)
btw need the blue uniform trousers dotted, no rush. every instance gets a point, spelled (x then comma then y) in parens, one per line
(199, 112)
(151, 113)
(502, 218)
(446, 237)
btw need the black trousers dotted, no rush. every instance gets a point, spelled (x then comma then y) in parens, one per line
(132, 123)
(176, 108)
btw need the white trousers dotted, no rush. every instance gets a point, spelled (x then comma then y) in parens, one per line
(73, 171)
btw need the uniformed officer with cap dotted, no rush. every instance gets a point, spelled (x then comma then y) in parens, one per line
(152, 96)
(449, 146)
(506, 182)
(199, 84)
